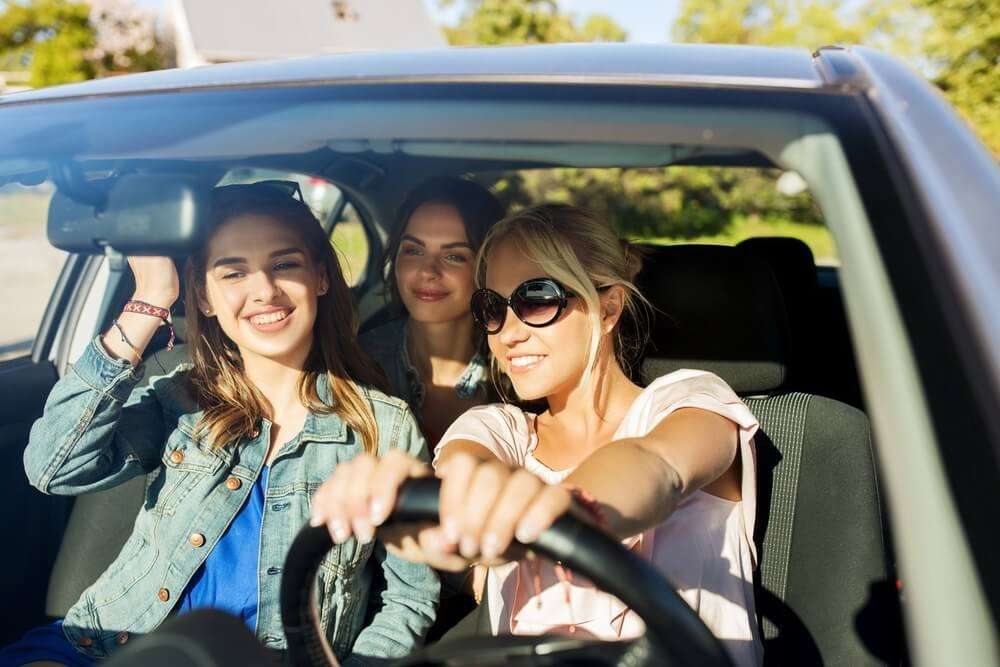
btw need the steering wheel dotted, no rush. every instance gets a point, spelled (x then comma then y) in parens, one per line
(674, 633)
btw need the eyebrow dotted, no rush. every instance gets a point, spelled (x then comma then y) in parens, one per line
(225, 261)
(456, 244)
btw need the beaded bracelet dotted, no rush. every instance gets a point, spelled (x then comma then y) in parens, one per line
(588, 503)
(143, 308)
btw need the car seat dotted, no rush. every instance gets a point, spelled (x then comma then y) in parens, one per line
(821, 360)
(823, 564)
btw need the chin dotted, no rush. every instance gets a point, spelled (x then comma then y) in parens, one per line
(532, 391)
(435, 313)
(276, 348)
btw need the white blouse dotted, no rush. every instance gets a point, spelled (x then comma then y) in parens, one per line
(705, 547)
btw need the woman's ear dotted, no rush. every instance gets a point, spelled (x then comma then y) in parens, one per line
(612, 305)
(324, 282)
(204, 305)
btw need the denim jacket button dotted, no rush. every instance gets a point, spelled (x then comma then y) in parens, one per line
(233, 483)
(196, 539)
(176, 456)
(85, 641)
(164, 595)
(121, 638)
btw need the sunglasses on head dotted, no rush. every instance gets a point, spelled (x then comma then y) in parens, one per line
(537, 302)
(271, 187)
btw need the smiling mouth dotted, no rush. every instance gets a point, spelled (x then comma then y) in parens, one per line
(525, 362)
(429, 296)
(271, 321)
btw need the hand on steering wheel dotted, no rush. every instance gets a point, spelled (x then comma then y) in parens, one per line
(484, 505)
(674, 632)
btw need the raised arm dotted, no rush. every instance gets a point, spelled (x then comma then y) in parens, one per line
(95, 432)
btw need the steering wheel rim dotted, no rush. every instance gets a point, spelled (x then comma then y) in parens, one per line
(673, 630)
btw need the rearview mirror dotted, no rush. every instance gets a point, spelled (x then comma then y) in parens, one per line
(141, 214)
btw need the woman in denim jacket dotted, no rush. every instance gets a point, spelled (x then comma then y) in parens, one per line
(232, 445)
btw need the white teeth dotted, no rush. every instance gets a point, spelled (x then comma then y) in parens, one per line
(519, 362)
(269, 318)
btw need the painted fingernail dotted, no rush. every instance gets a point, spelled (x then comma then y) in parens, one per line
(377, 511)
(363, 531)
(468, 547)
(526, 533)
(339, 530)
(450, 529)
(491, 545)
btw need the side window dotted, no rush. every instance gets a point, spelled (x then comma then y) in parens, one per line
(339, 217)
(29, 266)
(350, 240)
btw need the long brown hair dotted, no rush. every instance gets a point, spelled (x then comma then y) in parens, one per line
(232, 404)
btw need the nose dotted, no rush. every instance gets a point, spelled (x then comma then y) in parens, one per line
(513, 331)
(263, 287)
(430, 267)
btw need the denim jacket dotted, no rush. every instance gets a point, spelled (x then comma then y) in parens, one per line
(96, 432)
(387, 346)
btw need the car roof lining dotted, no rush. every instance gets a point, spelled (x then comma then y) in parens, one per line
(516, 134)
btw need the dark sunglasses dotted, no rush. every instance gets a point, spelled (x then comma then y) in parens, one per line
(537, 302)
(268, 187)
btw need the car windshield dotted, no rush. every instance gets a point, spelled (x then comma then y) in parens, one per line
(664, 165)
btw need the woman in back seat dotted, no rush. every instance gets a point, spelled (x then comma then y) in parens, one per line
(432, 353)
(279, 394)
(668, 468)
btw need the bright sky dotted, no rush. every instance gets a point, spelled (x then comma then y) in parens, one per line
(643, 20)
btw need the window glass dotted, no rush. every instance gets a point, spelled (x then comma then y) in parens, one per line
(668, 205)
(29, 266)
(350, 240)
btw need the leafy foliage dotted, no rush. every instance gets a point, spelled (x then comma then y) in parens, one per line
(674, 202)
(65, 41)
(963, 43)
(52, 37)
(492, 22)
(958, 41)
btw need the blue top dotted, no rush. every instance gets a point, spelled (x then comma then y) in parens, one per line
(227, 580)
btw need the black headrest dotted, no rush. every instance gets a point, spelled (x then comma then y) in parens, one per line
(792, 262)
(718, 309)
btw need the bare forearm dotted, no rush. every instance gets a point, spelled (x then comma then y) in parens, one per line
(636, 487)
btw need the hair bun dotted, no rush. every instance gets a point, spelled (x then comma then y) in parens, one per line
(633, 258)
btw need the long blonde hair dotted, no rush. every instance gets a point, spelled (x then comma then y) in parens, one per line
(585, 254)
(232, 404)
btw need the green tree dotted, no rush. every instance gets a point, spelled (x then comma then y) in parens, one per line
(491, 22)
(963, 44)
(804, 23)
(49, 37)
(64, 41)
(957, 41)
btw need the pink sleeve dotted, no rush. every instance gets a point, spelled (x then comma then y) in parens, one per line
(502, 429)
(706, 391)
(690, 389)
